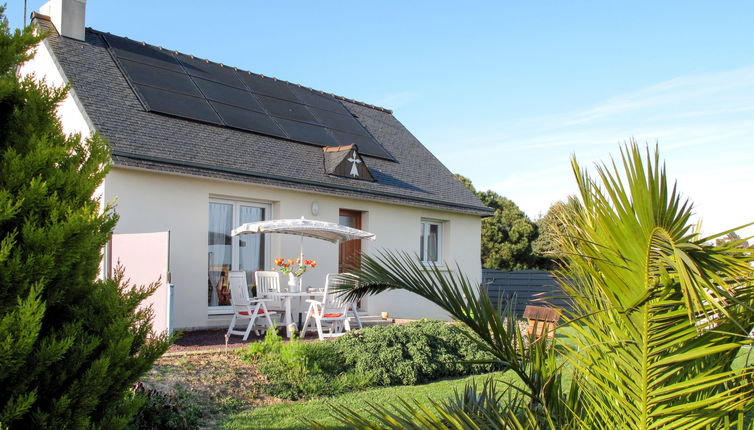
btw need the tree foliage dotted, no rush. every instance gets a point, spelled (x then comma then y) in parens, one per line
(659, 316)
(507, 235)
(550, 229)
(732, 239)
(70, 345)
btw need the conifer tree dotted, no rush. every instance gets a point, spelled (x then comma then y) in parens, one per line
(71, 346)
(507, 235)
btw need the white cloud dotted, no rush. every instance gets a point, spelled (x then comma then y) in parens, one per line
(702, 122)
(671, 93)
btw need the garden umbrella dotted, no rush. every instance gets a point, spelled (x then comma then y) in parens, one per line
(303, 227)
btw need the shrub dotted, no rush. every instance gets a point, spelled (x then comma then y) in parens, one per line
(414, 353)
(70, 346)
(296, 370)
(270, 345)
(392, 355)
(175, 410)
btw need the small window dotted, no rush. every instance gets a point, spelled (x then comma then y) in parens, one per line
(430, 248)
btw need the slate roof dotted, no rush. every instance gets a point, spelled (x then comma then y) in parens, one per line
(147, 140)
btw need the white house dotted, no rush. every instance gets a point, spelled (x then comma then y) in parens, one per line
(199, 148)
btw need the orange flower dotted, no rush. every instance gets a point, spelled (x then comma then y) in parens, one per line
(298, 260)
(314, 264)
(289, 262)
(278, 261)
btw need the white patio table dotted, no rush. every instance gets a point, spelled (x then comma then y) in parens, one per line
(289, 327)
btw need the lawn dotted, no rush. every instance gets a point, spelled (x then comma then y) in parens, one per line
(288, 415)
(230, 392)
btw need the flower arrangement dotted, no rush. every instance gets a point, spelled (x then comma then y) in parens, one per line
(286, 266)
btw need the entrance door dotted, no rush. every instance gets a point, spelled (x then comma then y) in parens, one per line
(349, 251)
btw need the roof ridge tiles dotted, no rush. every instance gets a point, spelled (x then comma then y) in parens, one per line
(346, 99)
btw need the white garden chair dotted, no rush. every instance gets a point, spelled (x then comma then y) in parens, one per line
(352, 306)
(244, 307)
(331, 310)
(268, 283)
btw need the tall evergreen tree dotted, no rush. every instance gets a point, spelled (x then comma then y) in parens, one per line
(550, 229)
(507, 235)
(70, 345)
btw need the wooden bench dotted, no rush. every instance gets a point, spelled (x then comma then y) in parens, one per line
(542, 318)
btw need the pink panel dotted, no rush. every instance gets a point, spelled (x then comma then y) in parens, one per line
(144, 256)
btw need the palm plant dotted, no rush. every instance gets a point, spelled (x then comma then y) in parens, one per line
(658, 316)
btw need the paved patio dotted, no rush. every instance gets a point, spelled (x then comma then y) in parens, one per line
(196, 341)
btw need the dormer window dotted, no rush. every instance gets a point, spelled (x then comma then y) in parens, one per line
(345, 162)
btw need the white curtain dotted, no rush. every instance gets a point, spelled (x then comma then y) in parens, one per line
(219, 248)
(251, 246)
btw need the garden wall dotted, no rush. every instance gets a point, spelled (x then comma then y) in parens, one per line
(524, 287)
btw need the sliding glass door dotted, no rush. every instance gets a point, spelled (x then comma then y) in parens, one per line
(226, 253)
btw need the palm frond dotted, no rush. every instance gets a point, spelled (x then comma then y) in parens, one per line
(646, 291)
(657, 317)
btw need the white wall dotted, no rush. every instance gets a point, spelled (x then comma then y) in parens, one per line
(149, 202)
(44, 69)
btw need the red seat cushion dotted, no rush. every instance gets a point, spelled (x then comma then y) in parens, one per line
(261, 312)
(332, 315)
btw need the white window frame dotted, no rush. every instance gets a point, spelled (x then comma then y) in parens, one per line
(424, 237)
(237, 203)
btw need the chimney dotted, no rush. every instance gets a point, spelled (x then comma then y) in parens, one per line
(67, 16)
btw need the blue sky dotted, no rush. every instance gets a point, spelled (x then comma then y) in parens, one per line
(504, 92)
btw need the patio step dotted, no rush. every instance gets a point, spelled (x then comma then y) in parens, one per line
(370, 320)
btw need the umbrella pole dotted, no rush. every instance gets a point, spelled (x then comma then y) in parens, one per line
(300, 262)
(302, 251)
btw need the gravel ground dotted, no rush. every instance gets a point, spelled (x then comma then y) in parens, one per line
(204, 340)
(218, 382)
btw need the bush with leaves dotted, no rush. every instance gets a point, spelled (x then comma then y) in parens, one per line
(71, 346)
(550, 229)
(414, 353)
(659, 316)
(507, 235)
(174, 410)
(296, 369)
(408, 354)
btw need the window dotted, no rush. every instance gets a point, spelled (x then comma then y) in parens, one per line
(430, 248)
(226, 253)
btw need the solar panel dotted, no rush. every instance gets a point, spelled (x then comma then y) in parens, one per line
(182, 86)
(267, 86)
(135, 51)
(336, 121)
(285, 109)
(210, 71)
(247, 120)
(178, 104)
(310, 98)
(228, 95)
(160, 78)
(307, 132)
(366, 145)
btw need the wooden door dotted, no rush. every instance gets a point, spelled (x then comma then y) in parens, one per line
(349, 251)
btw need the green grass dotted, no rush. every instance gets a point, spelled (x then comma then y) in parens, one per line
(288, 416)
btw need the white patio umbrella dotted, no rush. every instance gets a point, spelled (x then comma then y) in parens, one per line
(303, 227)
